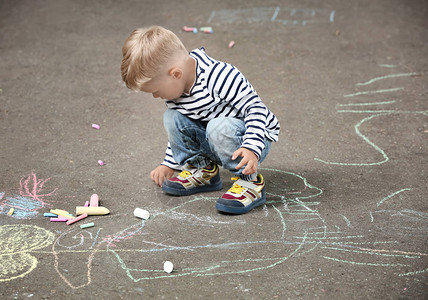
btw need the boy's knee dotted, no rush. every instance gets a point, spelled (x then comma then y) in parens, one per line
(219, 128)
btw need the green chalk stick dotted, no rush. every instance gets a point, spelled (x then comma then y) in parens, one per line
(87, 225)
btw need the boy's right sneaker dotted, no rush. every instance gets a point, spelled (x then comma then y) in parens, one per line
(193, 180)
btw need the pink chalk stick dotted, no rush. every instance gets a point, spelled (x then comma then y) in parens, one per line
(100, 162)
(59, 219)
(82, 216)
(95, 126)
(86, 204)
(94, 201)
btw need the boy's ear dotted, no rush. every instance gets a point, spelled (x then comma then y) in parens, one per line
(175, 73)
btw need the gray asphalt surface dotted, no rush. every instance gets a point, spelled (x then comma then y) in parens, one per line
(346, 212)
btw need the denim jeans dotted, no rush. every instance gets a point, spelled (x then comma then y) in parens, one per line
(200, 143)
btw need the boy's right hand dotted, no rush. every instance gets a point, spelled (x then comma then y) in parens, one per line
(159, 174)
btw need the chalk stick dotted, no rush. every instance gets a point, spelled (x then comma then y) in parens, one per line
(10, 211)
(86, 204)
(94, 201)
(87, 225)
(100, 162)
(69, 222)
(95, 126)
(92, 210)
(61, 213)
(141, 213)
(59, 219)
(50, 215)
(231, 44)
(168, 266)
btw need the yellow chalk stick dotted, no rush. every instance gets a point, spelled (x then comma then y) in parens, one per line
(61, 213)
(97, 210)
(10, 211)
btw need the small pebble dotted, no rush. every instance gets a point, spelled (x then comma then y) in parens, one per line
(168, 266)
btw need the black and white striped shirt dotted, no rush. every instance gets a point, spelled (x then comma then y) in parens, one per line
(220, 90)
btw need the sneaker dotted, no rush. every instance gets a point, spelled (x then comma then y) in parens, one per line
(192, 180)
(243, 196)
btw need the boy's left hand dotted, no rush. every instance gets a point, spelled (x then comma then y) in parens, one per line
(249, 158)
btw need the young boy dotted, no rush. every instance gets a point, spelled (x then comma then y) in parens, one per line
(214, 117)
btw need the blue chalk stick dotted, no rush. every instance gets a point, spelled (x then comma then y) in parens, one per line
(51, 215)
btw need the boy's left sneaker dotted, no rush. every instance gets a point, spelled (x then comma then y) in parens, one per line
(243, 196)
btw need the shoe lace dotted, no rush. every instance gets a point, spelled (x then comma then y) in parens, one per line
(236, 188)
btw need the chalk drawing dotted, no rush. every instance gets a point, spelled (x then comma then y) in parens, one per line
(16, 243)
(30, 199)
(386, 77)
(296, 227)
(392, 195)
(285, 16)
(374, 114)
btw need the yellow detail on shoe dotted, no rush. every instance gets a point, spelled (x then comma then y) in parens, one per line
(185, 174)
(236, 189)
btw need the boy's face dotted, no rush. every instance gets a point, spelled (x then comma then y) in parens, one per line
(165, 87)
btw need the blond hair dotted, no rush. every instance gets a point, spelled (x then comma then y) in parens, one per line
(146, 52)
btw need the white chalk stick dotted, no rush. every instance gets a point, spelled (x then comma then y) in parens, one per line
(141, 213)
(168, 266)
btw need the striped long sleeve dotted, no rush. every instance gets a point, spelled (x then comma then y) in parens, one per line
(221, 90)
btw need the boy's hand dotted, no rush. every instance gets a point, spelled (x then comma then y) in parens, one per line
(249, 158)
(159, 174)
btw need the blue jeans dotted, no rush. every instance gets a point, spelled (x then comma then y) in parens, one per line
(200, 143)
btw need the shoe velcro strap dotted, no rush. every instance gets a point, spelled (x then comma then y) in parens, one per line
(247, 184)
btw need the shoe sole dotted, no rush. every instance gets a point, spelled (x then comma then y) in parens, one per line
(201, 189)
(240, 210)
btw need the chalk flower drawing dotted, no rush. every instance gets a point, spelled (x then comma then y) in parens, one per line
(30, 199)
(16, 243)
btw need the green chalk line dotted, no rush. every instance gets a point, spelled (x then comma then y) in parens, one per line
(374, 92)
(392, 195)
(364, 264)
(386, 77)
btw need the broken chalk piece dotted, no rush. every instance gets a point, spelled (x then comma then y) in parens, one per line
(168, 266)
(59, 219)
(100, 162)
(69, 222)
(95, 126)
(141, 213)
(51, 215)
(86, 204)
(231, 44)
(206, 29)
(87, 225)
(94, 200)
(190, 29)
(92, 210)
(10, 211)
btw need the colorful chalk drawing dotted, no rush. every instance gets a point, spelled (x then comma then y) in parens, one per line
(30, 199)
(374, 113)
(295, 224)
(285, 16)
(291, 213)
(16, 244)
